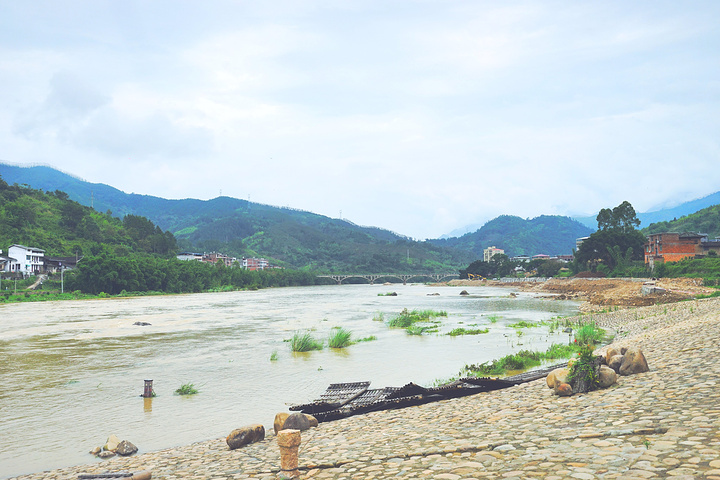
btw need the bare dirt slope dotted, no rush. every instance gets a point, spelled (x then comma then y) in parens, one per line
(601, 292)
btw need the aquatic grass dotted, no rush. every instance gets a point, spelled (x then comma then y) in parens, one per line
(340, 338)
(367, 339)
(522, 324)
(407, 318)
(274, 356)
(186, 389)
(467, 331)
(494, 318)
(304, 342)
(379, 317)
(521, 360)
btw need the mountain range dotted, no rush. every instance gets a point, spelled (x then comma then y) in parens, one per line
(304, 239)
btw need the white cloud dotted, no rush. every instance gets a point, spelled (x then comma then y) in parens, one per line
(416, 116)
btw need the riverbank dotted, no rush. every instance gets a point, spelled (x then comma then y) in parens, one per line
(602, 293)
(665, 422)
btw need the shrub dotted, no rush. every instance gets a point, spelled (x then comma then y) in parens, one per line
(467, 331)
(186, 389)
(589, 333)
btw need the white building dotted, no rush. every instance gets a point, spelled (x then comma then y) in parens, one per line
(25, 260)
(490, 252)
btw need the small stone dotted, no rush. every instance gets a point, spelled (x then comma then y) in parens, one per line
(564, 390)
(95, 451)
(125, 448)
(245, 436)
(106, 454)
(610, 353)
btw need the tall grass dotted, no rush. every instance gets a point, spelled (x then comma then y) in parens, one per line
(467, 331)
(588, 333)
(339, 338)
(304, 342)
(186, 389)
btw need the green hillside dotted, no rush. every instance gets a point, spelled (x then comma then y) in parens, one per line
(706, 220)
(287, 237)
(63, 227)
(550, 235)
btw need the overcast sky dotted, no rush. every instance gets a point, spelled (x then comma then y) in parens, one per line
(417, 116)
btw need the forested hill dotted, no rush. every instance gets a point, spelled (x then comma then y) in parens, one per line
(550, 235)
(706, 220)
(62, 227)
(238, 228)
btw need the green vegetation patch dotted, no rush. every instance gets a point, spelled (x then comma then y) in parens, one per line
(407, 318)
(186, 389)
(523, 324)
(522, 360)
(304, 342)
(456, 332)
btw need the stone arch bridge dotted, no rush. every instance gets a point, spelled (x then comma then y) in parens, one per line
(401, 276)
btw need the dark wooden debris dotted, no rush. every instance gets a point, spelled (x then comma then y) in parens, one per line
(342, 400)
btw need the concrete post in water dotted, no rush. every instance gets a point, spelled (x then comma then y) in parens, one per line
(289, 441)
(148, 392)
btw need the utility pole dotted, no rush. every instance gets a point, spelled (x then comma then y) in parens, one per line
(62, 280)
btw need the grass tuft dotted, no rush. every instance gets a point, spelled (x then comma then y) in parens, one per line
(304, 342)
(467, 331)
(340, 338)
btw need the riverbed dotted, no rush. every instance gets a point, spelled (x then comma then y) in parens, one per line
(73, 371)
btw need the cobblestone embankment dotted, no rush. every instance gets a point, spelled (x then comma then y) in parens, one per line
(659, 424)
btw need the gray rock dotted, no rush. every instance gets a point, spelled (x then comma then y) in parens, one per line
(245, 436)
(125, 448)
(106, 454)
(297, 421)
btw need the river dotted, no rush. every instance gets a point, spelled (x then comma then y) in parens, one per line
(72, 372)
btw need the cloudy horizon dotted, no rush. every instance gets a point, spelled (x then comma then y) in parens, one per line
(420, 117)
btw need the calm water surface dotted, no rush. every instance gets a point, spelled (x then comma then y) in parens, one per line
(72, 371)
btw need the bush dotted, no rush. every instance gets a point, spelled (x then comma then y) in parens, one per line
(589, 333)
(186, 389)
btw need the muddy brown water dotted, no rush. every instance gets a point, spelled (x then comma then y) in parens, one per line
(72, 372)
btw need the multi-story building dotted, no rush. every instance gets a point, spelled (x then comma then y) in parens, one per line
(25, 260)
(255, 263)
(490, 252)
(671, 247)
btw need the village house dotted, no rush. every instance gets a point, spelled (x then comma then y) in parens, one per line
(24, 260)
(255, 263)
(672, 247)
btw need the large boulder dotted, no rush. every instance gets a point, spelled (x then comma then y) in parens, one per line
(556, 377)
(245, 436)
(296, 421)
(313, 421)
(615, 362)
(280, 421)
(606, 376)
(126, 448)
(111, 444)
(633, 362)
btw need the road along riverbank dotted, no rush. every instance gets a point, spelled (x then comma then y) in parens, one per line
(662, 423)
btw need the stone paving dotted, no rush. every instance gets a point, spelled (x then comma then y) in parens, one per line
(660, 424)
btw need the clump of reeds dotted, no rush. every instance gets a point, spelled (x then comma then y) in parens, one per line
(339, 338)
(304, 342)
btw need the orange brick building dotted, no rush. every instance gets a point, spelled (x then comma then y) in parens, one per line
(672, 247)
